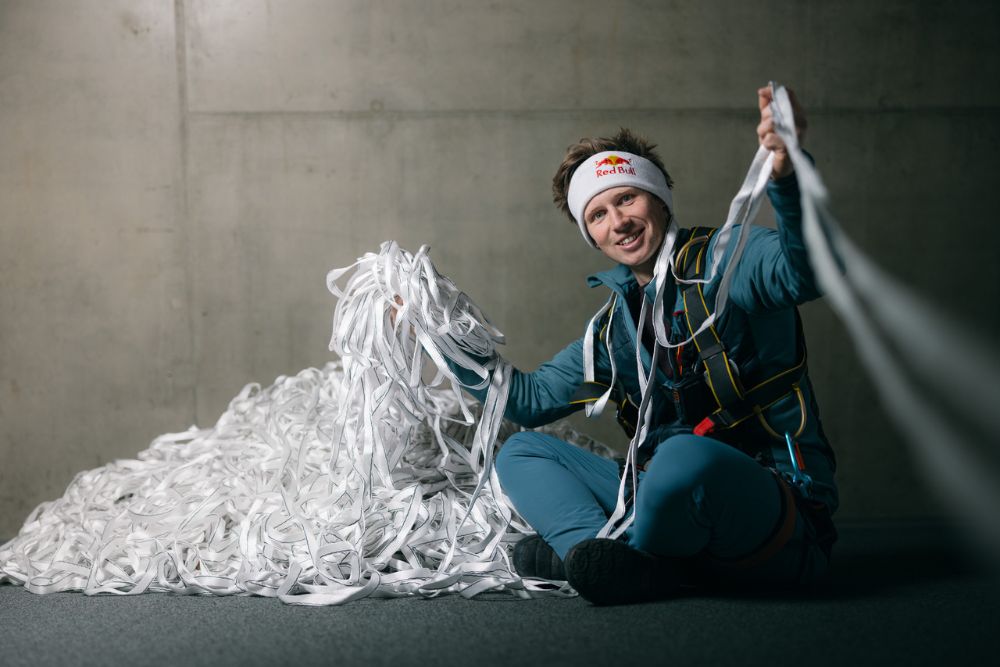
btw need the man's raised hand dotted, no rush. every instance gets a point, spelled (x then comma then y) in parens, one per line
(769, 139)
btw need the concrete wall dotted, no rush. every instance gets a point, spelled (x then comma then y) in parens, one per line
(177, 178)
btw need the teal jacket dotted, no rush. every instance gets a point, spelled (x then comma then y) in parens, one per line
(758, 328)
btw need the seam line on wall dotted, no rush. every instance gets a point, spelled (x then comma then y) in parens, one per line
(183, 205)
(362, 114)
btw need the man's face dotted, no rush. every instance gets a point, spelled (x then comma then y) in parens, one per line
(628, 225)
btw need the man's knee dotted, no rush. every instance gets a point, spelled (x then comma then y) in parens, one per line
(692, 470)
(686, 457)
(683, 466)
(517, 448)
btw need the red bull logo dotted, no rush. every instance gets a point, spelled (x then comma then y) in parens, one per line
(613, 160)
(613, 164)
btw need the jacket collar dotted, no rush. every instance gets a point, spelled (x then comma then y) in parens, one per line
(621, 280)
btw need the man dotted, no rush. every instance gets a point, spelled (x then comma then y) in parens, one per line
(735, 475)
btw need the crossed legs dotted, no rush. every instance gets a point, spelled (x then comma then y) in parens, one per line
(697, 495)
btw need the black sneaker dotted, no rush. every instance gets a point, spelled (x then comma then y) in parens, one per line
(533, 557)
(608, 572)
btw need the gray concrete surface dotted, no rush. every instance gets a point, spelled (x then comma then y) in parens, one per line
(177, 178)
(898, 593)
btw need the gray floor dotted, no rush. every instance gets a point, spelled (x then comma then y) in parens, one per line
(898, 595)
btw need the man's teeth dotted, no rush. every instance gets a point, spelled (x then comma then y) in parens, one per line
(629, 239)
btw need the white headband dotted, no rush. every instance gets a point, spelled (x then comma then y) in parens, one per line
(613, 169)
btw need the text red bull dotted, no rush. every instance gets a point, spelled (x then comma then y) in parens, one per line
(618, 165)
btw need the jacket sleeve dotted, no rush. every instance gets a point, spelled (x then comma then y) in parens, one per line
(774, 272)
(544, 395)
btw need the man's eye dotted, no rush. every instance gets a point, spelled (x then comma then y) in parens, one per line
(627, 198)
(597, 216)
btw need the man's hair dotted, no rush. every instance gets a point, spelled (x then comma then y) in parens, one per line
(624, 141)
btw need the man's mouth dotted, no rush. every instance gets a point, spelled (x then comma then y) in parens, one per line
(629, 240)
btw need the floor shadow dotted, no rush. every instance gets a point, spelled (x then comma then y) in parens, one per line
(874, 569)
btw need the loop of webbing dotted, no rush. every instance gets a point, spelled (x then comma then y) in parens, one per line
(595, 408)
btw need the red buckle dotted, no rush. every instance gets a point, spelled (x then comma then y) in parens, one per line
(705, 426)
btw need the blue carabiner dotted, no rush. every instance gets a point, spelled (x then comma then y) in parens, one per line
(799, 477)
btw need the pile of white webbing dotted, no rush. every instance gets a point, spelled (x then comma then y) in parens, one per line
(360, 479)
(937, 380)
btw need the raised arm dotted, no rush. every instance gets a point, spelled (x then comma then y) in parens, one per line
(774, 272)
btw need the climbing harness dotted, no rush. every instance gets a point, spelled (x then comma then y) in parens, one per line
(734, 404)
(711, 393)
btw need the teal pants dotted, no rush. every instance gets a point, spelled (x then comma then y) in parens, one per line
(698, 499)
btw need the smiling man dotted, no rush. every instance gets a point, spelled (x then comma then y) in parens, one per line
(734, 474)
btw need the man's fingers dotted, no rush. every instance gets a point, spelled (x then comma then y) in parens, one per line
(766, 125)
(764, 97)
(772, 142)
(769, 139)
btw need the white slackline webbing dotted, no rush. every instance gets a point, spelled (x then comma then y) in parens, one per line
(953, 417)
(360, 479)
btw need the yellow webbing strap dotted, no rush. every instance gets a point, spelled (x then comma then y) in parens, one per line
(725, 387)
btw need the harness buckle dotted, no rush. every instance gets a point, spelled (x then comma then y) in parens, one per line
(704, 427)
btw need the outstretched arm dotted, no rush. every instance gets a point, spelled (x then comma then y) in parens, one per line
(543, 395)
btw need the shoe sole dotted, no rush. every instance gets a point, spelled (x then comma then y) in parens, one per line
(609, 572)
(533, 557)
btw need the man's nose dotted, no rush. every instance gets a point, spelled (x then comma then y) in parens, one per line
(618, 219)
